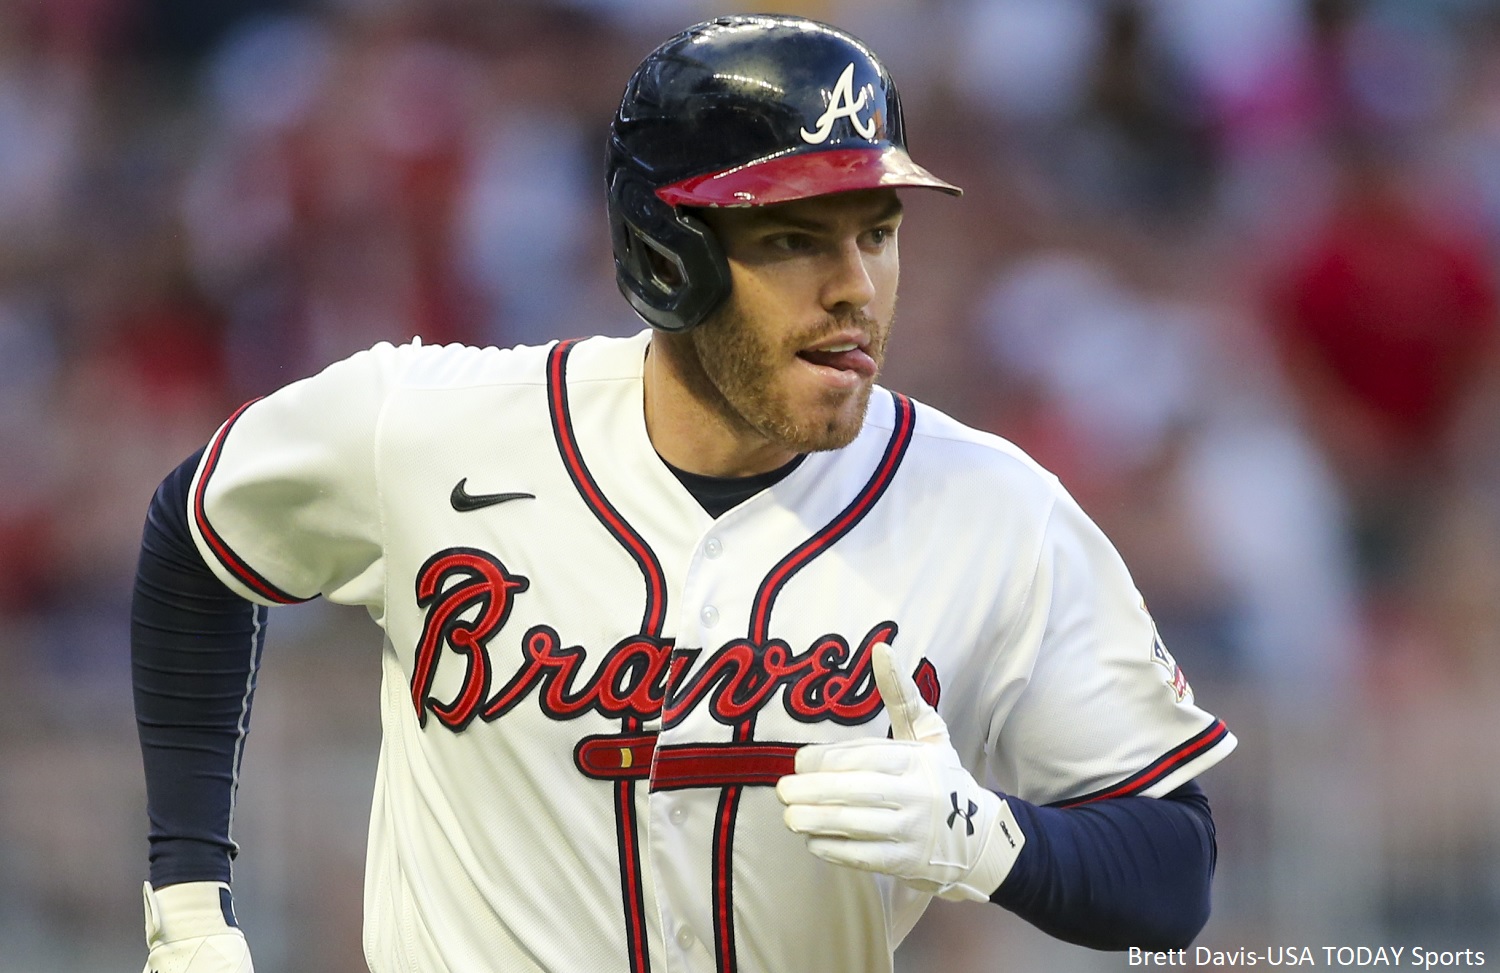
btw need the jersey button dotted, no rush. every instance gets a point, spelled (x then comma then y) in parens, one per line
(678, 815)
(710, 615)
(713, 548)
(685, 937)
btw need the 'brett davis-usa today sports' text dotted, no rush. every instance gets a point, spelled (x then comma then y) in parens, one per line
(1325, 957)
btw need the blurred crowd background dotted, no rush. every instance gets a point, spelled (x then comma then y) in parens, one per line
(1228, 267)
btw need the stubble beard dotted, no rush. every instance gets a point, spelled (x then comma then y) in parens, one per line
(742, 369)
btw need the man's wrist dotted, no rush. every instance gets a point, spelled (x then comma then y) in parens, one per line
(1002, 846)
(187, 910)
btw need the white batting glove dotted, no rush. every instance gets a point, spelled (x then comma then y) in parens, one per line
(905, 806)
(186, 931)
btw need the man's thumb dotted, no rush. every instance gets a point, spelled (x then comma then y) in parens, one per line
(911, 717)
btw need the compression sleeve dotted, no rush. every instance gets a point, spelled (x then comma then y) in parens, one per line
(195, 650)
(1130, 871)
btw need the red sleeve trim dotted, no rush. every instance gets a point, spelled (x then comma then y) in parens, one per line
(232, 562)
(1159, 769)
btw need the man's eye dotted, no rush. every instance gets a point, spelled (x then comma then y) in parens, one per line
(879, 236)
(790, 242)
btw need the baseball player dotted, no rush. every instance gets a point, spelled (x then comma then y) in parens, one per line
(702, 651)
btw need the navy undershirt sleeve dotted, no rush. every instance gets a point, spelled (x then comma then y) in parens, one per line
(1131, 871)
(195, 650)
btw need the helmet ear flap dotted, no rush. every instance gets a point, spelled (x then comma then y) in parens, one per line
(668, 265)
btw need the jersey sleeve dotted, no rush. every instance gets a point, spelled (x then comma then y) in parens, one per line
(1106, 711)
(285, 505)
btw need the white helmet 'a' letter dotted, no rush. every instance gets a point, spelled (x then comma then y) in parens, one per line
(842, 104)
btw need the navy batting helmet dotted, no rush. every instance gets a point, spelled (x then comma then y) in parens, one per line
(740, 111)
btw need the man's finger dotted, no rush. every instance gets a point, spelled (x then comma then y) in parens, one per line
(874, 754)
(871, 856)
(858, 823)
(855, 788)
(911, 717)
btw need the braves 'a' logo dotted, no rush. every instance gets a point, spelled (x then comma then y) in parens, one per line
(843, 104)
(468, 595)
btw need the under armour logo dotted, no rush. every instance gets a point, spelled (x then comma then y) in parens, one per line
(842, 104)
(968, 815)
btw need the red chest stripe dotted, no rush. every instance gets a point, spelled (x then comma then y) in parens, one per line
(723, 765)
(679, 766)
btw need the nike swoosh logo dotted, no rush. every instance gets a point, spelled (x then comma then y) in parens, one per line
(463, 501)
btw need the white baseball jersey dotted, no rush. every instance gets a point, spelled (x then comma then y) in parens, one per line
(591, 686)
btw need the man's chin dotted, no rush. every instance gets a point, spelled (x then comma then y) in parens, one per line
(827, 427)
(832, 439)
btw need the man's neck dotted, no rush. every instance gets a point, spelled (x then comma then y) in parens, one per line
(691, 425)
(717, 495)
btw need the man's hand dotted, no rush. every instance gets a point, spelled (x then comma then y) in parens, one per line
(188, 930)
(905, 806)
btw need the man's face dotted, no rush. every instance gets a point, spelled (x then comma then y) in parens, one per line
(795, 349)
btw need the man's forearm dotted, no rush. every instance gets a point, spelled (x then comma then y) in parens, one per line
(1133, 871)
(195, 648)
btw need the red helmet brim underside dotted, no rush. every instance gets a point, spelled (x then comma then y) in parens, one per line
(801, 175)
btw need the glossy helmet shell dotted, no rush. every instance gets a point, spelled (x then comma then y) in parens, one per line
(740, 111)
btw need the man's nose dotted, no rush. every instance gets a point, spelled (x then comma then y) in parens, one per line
(849, 283)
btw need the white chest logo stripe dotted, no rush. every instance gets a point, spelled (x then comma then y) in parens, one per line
(843, 104)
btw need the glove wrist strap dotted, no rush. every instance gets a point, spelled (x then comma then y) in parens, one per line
(1001, 848)
(187, 910)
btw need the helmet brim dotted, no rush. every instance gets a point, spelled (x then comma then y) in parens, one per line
(802, 175)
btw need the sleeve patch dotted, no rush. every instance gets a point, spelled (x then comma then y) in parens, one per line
(1176, 679)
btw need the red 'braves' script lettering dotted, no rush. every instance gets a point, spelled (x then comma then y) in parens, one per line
(453, 583)
(468, 596)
